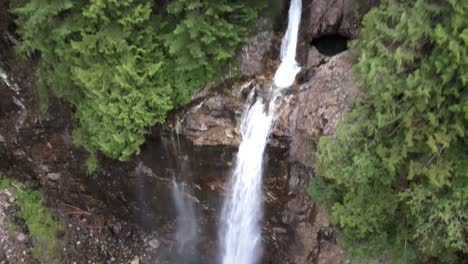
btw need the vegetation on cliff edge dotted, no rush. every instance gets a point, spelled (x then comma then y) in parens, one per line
(41, 222)
(395, 176)
(124, 64)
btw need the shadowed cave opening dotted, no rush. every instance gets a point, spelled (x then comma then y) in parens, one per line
(330, 45)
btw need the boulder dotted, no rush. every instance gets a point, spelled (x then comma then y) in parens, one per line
(213, 118)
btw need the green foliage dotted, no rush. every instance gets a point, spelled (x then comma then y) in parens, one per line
(123, 64)
(205, 38)
(399, 161)
(40, 220)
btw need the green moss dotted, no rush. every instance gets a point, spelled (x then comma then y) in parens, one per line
(41, 221)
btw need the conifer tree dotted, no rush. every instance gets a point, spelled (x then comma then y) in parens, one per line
(396, 173)
(124, 64)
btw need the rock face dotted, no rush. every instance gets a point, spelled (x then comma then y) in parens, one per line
(308, 111)
(254, 53)
(324, 17)
(316, 108)
(304, 114)
(213, 121)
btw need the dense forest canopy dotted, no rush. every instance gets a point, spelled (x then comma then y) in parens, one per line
(124, 64)
(395, 177)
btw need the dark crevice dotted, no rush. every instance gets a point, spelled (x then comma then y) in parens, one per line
(330, 45)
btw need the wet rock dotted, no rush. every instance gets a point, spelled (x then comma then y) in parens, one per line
(303, 113)
(54, 176)
(279, 230)
(254, 53)
(154, 243)
(213, 121)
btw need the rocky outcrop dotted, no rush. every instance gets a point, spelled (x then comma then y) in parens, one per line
(304, 113)
(316, 108)
(324, 17)
(254, 54)
(310, 109)
(212, 117)
(315, 111)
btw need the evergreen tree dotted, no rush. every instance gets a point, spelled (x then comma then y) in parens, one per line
(124, 64)
(396, 173)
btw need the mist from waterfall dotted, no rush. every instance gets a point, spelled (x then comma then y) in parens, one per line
(186, 234)
(240, 231)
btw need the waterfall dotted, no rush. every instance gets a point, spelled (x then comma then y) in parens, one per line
(242, 210)
(240, 231)
(186, 235)
(288, 69)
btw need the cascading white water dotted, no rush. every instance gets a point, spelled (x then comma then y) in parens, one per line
(242, 211)
(288, 69)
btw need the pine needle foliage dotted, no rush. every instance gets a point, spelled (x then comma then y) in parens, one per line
(124, 64)
(396, 173)
(205, 37)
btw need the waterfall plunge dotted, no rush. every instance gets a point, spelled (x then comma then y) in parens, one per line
(288, 69)
(242, 210)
